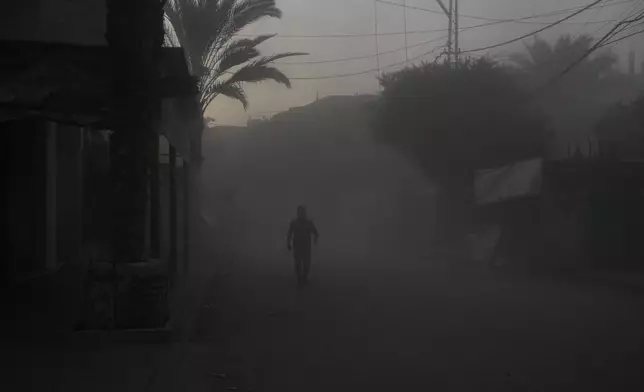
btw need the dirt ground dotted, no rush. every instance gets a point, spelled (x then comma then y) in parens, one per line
(382, 313)
(416, 324)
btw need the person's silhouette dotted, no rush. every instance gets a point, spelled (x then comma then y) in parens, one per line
(298, 239)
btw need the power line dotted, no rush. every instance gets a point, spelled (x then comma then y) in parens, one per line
(553, 13)
(338, 60)
(605, 40)
(374, 70)
(616, 40)
(500, 21)
(347, 35)
(393, 33)
(494, 21)
(579, 11)
(401, 63)
(604, 25)
(589, 21)
(632, 26)
(524, 36)
(631, 18)
(513, 20)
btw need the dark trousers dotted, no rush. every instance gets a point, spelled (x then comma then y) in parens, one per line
(302, 257)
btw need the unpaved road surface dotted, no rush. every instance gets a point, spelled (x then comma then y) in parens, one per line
(381, 313)
(422, 326)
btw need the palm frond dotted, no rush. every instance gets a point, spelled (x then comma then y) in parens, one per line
(237, 53)
(207, 23)
(206, 30)
(255, 72)
(246, 12)
(251, 72)
(274, 57)
(231, 90)
(233, 17)
(171, 37)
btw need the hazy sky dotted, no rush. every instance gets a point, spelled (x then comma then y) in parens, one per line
(314, 17)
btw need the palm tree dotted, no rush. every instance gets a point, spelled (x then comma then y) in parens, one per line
(206, 29)
(543, 61)
(577, 100)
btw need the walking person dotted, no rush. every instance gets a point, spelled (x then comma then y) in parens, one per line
(298, 239)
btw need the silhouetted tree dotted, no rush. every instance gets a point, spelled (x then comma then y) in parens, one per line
(575, 101)
(543, 61)
(452, 120)
(206, 29)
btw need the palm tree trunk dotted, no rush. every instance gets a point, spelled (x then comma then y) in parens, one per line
(134, 35)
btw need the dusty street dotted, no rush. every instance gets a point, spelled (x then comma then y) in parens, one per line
(419, 325)
(381, 314)
(415, 326)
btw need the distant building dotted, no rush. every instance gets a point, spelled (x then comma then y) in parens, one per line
(336, 117)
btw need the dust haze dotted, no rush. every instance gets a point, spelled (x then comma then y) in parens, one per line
(368, 202)
(428, 32)
(476, 176)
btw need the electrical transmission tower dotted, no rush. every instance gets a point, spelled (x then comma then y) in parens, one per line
(451, 11)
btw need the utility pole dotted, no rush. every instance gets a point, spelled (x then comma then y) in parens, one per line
(405, 28)
(448, 12)
(451, 11)
(455, 21)
(375, 35)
